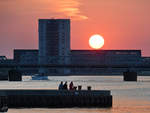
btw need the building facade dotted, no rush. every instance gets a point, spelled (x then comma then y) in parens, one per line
(106, 57)
(95, 58)
(26, 57)
(54, 44)
(85, 58)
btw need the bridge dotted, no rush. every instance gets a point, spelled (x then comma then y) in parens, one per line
(33, 68)
(72, 66)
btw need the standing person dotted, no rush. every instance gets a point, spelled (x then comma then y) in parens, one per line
(71, 86)
(65, 86)
(60, 86)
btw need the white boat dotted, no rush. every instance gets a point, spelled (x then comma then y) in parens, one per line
(39, 77)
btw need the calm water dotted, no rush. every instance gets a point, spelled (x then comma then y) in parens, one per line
(128, 97)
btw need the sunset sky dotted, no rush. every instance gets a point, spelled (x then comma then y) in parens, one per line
(124, 24)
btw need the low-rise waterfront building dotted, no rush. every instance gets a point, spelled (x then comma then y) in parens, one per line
(106, 57)
(86, 57)
(26, 56)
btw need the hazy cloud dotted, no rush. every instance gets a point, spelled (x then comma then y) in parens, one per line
(66, 8)
(71, 8)
(55, 8)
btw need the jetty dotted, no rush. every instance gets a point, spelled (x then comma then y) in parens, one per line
(31, 98)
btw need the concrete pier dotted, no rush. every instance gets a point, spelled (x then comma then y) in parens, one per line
(56, 98)
(15, 75)
(130, 76)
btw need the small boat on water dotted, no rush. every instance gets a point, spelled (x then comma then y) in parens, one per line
(39, 77)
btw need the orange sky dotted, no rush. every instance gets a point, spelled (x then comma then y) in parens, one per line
(124, 24)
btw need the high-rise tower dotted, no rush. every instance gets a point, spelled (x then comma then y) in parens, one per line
(54, 43)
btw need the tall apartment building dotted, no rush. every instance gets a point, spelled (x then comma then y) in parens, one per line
(54, 43)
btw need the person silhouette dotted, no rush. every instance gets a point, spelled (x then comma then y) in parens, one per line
(65, 86)
(71, 86)
(60, 86)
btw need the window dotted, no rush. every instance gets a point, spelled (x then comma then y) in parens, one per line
(126, 53)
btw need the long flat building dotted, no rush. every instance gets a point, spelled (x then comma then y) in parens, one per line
(86, 57)
(106, 57)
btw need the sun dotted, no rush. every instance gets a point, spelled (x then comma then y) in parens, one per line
(96, 41)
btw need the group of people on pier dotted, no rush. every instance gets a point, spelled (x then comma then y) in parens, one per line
(65, 86)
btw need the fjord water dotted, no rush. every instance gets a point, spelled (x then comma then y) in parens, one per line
(128, 97)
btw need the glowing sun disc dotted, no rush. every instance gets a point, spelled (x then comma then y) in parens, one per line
(96, 41)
